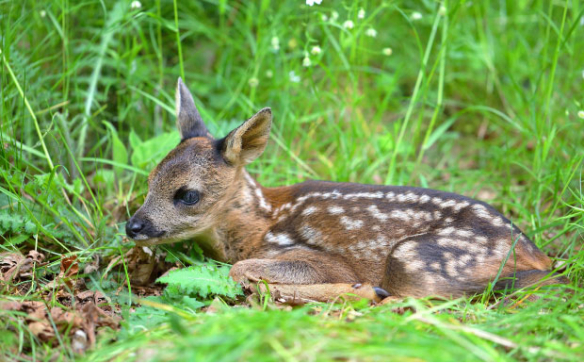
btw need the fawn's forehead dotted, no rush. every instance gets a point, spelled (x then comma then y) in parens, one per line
(183, 159)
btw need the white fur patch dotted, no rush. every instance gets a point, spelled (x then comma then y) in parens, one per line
(461, 205)
(351, 224)
(311, 235)
(481, 212)
(376, 213)
(398, 214)
(366, 195)
(405, 250)
(309, 210)
(258, 193)
(282, 239)
(448, 203)
(424, 198)
(335, 209)
(497, 222)
(464, 233)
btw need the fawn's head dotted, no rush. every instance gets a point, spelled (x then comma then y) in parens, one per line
(191, 187)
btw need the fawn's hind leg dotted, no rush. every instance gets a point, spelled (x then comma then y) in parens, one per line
(428, 265)
(304, 276)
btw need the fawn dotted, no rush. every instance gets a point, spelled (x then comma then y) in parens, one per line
(318, 239)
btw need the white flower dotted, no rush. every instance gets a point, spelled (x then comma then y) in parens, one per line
(135, 5)
(334, 16)
(253, 82)
(442, 11)
(348, 24)
(42, 13)
(416, 16)
(387, 51)
(361, 14)
(581, 114)
(312, 2)
(306, 61)
(323, 17)
(316, 50)
(269, 73)
(371, 33)
(275, 43)
(293, 77)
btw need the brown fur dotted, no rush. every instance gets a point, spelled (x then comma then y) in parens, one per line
(318, 239)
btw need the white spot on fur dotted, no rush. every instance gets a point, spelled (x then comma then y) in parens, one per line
(390, 196)
(258, 192)
(451, 268)
(448, 203)
(376, 213)
(351, 224)
(311, 235)
(309, 210)
(366, 195)
(282, 239)
(481, 239)
(436, 200)
(405, 250)
(449, 220)
(335, 209)
(497, 222)
(481, 212)
(424, 198)
(437, 214)
(461, 205)
(464, 233)
(376, 228)
(398, 214)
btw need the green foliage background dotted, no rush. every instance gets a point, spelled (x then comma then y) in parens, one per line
(476, 97)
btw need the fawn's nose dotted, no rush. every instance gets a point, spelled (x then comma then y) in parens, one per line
(134, 227)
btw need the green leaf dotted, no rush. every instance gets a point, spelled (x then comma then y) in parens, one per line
(201, 280)
(120, 154)
(440, 130)
(150, 152)
(135, 140)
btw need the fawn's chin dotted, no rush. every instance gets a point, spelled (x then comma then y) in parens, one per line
(146, 241)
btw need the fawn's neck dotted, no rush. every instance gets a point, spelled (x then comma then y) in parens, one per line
(249, 214)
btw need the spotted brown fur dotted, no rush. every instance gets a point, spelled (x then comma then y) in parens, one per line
(402, 240)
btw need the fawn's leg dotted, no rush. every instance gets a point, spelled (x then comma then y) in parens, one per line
(421, 266)
(305, 276)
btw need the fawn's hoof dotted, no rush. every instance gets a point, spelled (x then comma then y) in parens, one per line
(381, 293)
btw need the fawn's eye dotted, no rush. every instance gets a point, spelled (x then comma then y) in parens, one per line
(187, 197)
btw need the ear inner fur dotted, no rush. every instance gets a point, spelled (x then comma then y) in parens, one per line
(248, 141)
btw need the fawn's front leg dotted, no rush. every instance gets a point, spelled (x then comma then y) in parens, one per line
(302, 276)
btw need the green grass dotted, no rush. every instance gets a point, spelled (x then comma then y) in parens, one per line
(480, 98)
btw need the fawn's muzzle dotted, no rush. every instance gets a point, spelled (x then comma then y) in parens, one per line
(141, 228)
(134, 227)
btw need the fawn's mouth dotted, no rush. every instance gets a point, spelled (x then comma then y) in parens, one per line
(148, 239)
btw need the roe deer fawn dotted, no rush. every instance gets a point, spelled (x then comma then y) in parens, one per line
(318, 239)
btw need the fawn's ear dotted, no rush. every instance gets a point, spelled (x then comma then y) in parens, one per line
(189, 121)
(244, 144)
